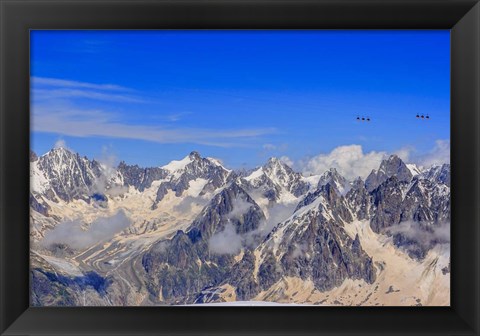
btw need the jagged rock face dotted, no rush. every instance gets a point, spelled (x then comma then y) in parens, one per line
(359, 200)
(178, 269)
(241, 277)
(33, 156)
(140, 178)
(315, 245)
(326, 254)
(336, 180)
(279, 172)
(387, 198)
(70, 176)
(423, 205)
(333, 201)
(426, 202)
(425, 199)
(194, 167)
(310, 243)
(275, 178)
(393, 166)
(37, 206)
(215, 217)
(439, 174)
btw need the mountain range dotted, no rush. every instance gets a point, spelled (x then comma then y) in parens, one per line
(195, 232)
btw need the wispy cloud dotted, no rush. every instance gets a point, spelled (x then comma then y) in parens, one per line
(53, 94)
(56, 82)
(269, 147)
(56, 109)
(51, 89)
(177, 116)
(96, 123)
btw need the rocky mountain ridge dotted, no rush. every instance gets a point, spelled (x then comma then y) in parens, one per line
(203, 233)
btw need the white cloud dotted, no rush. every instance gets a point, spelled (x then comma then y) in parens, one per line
(269, 147)
(55, 94)
(350, 161)
(73, 233)
(299, 250)
(438, 155)
(404, 153)
(239, 208)
(55, 110)
(285, 159)
(53, 89)
(74, 122)
(56, 82)
(422, 237)
(187, 204)
(60, 143)
(275, 214)
(105, 183)
(229, 241)
(177, 116)
(226, 241)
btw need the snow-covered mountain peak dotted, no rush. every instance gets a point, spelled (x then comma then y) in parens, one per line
(177, 165)
(70, 176)
(61, 160)
(278, 171)
(207, 175)
(332, 173)
(60, 152)
(333, 177)
(194, 155)
(392, 166)
(193, 163)
(274, 163)
(277, 182)
(248, 234)
(438, 174)
(414, 169)
(215, 161)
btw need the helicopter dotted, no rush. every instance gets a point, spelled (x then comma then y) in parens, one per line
(422, 116)
(363, 118)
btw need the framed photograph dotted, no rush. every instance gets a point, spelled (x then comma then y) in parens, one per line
(311, 167)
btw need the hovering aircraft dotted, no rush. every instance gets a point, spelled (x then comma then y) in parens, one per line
(422, 116)
(363, 118)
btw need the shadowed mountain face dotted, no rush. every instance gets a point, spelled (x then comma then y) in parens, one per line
(189, 169)
(393, 166)
(69, 176)
(198, 232)
(140, 178)
(179, 268)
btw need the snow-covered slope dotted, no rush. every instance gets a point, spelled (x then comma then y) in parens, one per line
(268, 235)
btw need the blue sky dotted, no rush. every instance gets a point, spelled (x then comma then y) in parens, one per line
(149, 97)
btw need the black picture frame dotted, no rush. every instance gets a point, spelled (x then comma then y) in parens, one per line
(17, 17)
